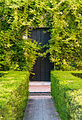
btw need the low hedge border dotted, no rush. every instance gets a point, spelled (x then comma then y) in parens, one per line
(66, 90)
(13, 94)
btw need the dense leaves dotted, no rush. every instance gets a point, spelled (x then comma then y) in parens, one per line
(66, 89)
(65, 43)
(16, 52)
(63, 17)
(13, 94)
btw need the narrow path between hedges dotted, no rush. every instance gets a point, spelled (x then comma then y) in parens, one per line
(40, 104)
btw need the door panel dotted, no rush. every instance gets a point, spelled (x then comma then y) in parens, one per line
(42, 66)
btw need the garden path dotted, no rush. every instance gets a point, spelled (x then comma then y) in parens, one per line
(40, 104)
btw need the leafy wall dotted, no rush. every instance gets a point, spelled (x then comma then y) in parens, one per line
(63, 17)
(65, 43)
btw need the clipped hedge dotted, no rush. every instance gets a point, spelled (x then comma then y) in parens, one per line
(13, 94)
(66, 90)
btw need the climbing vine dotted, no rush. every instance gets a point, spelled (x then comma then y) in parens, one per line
(63, 17)
(65, 43)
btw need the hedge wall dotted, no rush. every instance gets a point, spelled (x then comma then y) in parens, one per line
(66, 44)
(66, 90)
(13, 94)
(63, 17)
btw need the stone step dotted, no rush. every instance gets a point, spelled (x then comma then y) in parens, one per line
(39, 94)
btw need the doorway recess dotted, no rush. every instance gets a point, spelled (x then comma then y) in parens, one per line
(43, 66)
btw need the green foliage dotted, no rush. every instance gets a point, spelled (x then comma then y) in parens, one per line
(65, 43)
(63, 17)
(13, 94)
(66, 90)
(16, 52)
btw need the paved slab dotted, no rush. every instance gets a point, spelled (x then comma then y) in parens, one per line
(39, 83)
(39, 86)
(40, 104)
(40, 108)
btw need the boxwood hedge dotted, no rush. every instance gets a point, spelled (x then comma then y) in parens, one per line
(13, 94)
(66, 89)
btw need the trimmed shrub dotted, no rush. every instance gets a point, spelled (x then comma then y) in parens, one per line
(66, 90)
(13, 94)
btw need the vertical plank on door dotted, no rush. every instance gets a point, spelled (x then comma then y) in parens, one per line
(42, 66)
